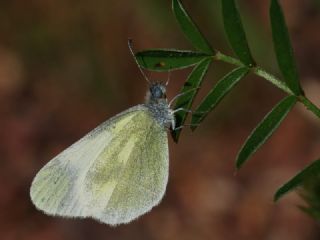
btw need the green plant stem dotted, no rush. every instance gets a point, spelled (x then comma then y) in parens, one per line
(309, 105)
(271, 78)
(262, 73)
(256, 70)
(224, 58)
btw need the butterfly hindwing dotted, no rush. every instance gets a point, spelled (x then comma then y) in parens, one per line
(114, 174)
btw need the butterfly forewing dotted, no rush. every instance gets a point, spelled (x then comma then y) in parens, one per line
(114, 174)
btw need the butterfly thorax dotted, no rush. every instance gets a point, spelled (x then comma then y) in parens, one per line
(157, 103)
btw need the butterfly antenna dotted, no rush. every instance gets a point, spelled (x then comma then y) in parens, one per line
(130, 45)
(169, 77)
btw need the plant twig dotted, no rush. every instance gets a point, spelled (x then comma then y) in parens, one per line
(271, 78)
(256, 70)
(309, 105)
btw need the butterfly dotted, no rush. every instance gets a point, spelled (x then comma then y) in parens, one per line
(116, 172)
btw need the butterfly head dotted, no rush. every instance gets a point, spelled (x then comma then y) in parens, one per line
(156, 92)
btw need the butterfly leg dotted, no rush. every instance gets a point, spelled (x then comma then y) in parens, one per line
(185, 125)
(189, 111)
(182, 110)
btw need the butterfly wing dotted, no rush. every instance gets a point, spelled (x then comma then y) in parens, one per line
(114, 174)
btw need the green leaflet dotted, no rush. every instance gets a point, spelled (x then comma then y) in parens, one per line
(190, 29)
(283, 48)
(168, 59)
(310, 171)
(223, 87)
(265, 129)
(190, 88)
(235, 32)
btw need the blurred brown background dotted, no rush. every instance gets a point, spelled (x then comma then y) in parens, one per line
(65, 67)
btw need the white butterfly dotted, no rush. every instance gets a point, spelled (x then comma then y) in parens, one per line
(115, 173)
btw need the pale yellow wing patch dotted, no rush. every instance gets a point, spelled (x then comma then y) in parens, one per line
(114, 174)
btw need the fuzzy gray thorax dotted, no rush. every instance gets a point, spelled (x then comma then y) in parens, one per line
(157, 103)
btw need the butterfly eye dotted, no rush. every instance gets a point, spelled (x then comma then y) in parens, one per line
(157, 91)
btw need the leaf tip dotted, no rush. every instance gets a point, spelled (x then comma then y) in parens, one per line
(279, 194)
(193, 128)
(239, 163)
(276, 197)
(175, 136)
